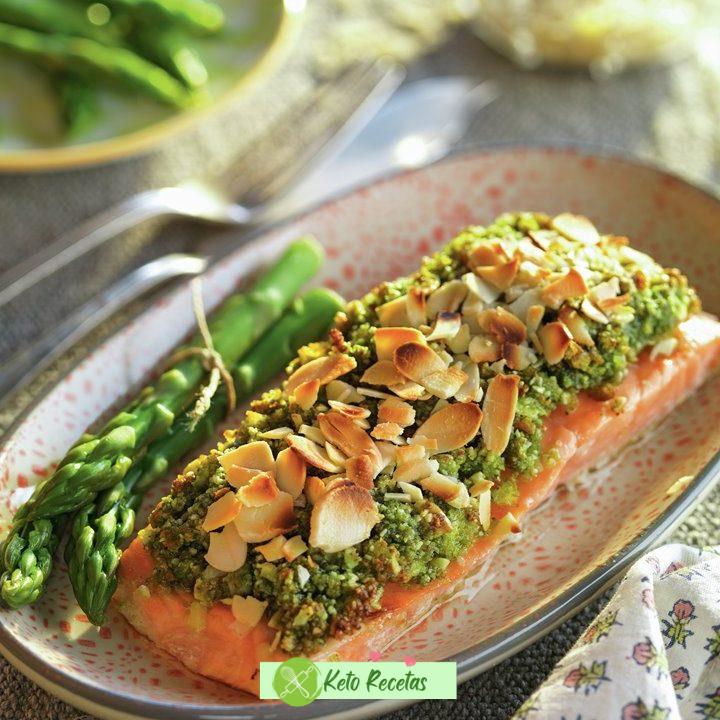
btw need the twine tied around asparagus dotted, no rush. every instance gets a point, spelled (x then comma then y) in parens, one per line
(211, 359)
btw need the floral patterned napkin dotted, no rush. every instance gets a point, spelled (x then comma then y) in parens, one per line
(653, 653)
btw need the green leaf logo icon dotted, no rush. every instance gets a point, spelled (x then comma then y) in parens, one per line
(297, 682)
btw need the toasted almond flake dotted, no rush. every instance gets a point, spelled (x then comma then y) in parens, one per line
(312, 453)
(352, 411)
(522, 304)
(335, 455)
(576, 325)
(388, 339)
(605, 291)
(290, 472)
(470, 389)
(360, 470)
(416, 361)
(479, 291)
(447, 325)
(479, 484)
(415, 307)
(484, 509)
(314, 488)
(518, 357)
(592, 313)
(396, 411)
(435, 517)
(297, 419)
(369, 392)
(461, 341)
(453, 426)
(312, 433)
(543, 238)
(258, 524)
(221, 512)
(238, 476)
(253, 455)
(400, 497)
(362, 423)
(446, 488)
(276, 433)
(665, 347)
(294, 548)
(530, 250)
(346, 435)
(414, 470)
(341, 391)
(303, 575)
(248, 611)
(430, 444)
(577, 228)
(508, 524)
(570, 285)
(484, 348)
(445, 383)
(680, 485)
(394, 313)
(611, 305)
(505, 326)
(408, 390)
(447, 298)
(342, 517)
(499, 411)
(323, 369)
(273, 550)
(410, 453)
(227, 551)
(486, 254)
(386, 431)
(261, 490)
(412, 491)
(501, 276)
(533, 317)
(383, 372)
(555, 339)
(387, 453)
(306, 394)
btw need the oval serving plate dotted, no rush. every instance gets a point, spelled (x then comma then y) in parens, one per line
(571, 548)
(258, 34)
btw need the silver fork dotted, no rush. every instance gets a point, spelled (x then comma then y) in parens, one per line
(261, 176)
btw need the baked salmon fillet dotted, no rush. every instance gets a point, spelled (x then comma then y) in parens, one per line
(402, 450)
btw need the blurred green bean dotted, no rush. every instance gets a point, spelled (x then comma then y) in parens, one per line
(170, 50)
(197, 15)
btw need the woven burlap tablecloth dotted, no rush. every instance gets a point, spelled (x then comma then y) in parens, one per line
(665, 114)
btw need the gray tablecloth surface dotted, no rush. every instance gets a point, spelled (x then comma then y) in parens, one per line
(665, 114)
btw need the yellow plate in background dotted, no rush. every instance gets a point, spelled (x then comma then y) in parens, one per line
(257, 34)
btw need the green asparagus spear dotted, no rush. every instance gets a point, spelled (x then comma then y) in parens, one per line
(100, 462)
(93, 549)
(198, 15)
(90, 58)
(169, 49)
(79, 104)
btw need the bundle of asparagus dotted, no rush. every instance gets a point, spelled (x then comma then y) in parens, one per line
(144, 45)
(103, 478)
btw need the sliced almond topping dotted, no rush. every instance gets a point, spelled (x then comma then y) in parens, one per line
(258, 524)
(360, 470)
(238, 476)
(294, 548)
(576, 227)
(518, 357)
(614, 303)
(470, 390)
(396, 411)
(501, 276)
(312, 453)
(446, 326)
(408, 390)
(394, 313)
(416, 361)
(383, 372)
(344, 516)
(400, 497)
(414, 470)
(335, 455)
(447, 298)
(410, 453)
(323, 369)
(605, 291)
(369, 392)
(435, 517)
(576, 325)
(445, 383)
(484, 348)
(484, 509)
(314, 488)
(227, 551)
(453, 492)
(415, 307)
(533, 318)
(480, 485)
(272, 551)
(499, 411)
(508, 524)
(303, 575)
(413, 491)
(479, 291)
(342, 392)
(253, 455)
(388, 339)
(352, 411)
(312, 433)
(430, 444)
(505, 326)
(261, 490)
(387, 453)
(555, 339)
(461, 341)
(221, 512)
(543, 238)
(452, 426)
(592, 313)
(665, 347)
(387, 431)
(306, 394)
(276, 433)
(485, 254)
(521, 305)
(570, 285)
(248, 611)
(342, 432)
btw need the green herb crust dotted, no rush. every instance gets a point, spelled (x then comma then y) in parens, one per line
(406, 546)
